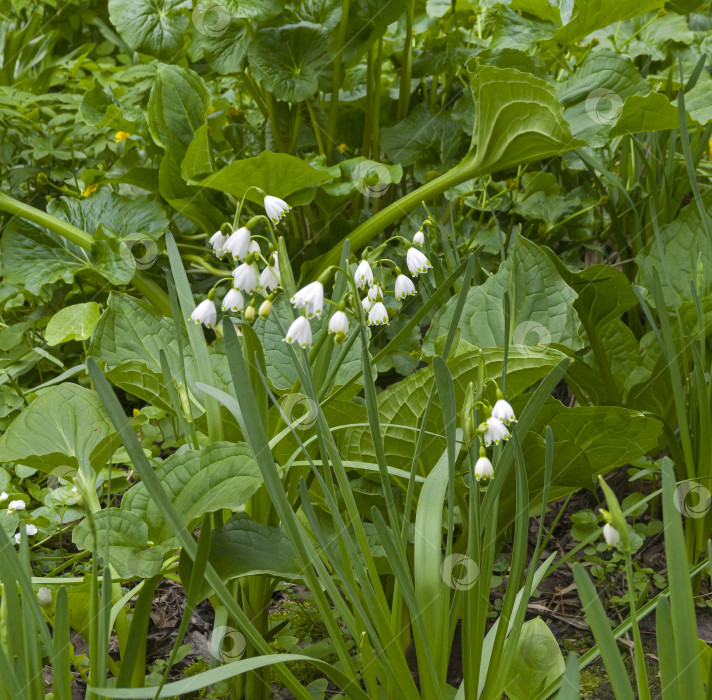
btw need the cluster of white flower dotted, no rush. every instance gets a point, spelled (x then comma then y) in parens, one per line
(493, 431)
(247, 279)
(30, 529)
(311, 297)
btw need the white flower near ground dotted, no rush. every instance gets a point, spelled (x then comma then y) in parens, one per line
(44, 596)
(276, 208)
(483, 469)
(310, 298)
(375, 293)
(504, 412)
(238, 244)
(254, 247)
(419, 239)
(31, 530)
(364, 275)
(300, 332)
(366, 304)
(205, 313)
(495, 432)
(233, 301)
(417, 262)
(265, 308)
(3, 496)
(339, 323)
(378, 315)
(404, 287)
(245, 278)
(218, 241)
(611, 535)
(16, 505)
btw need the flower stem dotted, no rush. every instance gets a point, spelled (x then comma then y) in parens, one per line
(336, 80)
(143, 283)
(404, 92)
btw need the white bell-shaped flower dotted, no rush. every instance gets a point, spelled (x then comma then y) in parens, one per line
(218, 241)
(339, 323)
(375, 293)
(502, 411)
(417, 262)
(611, 535)
(495, 431)
(205, 313)
(483, 469)
(16, 505)
(378, 315)
(245, 278)
(238, 243)
(404, 287)
(254, 247)
(366, 304)
(4, 496)
(419, 239)
(310, 298)
(276, 208)
(364, 275)
(300, 332)
(233, 301)
(269, 279)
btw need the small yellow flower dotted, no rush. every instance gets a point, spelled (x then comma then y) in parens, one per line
(236, 111)
(211, 109)
(342, 148)
(120, 136)
(136, 412)
(710, 147)
(89, 190)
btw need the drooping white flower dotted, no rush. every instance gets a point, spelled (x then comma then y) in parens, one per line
(367, 304)
(504, 412)
(205, 313)
(364, 275)
(44, 596)
(238, 244)
(254, 247)
(17, 537)
(419, 239)
(339, 323)
(245, 278)
(31, 529)
(375, 293)
(15, 505)
(483, 469)
(250, 312)
(404, 287)
(300, 332)
(416, 261)
(611, 535)
(268, 279)
(218, 241)
(3, 496)
(495, 431)
(233, 301)
(276, 208)
(378, 315)
(310, 298)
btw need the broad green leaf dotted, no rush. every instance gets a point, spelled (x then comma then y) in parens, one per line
(176, 107)
(154, 27)
(245, 547)
(127, 536)
(99, 107)
(259, 10)
(518, 118)
(594, 97)
(685, 246)
(403, 403)
(587, 16)
(278, 174)
(66, 426)
(222, 475)
(290, 60)
(542, 305)
(513, 31)
(198, 160)
(74, 322)
(224, 44)
(537, 661)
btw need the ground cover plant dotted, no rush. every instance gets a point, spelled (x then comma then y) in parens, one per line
(355, 349)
